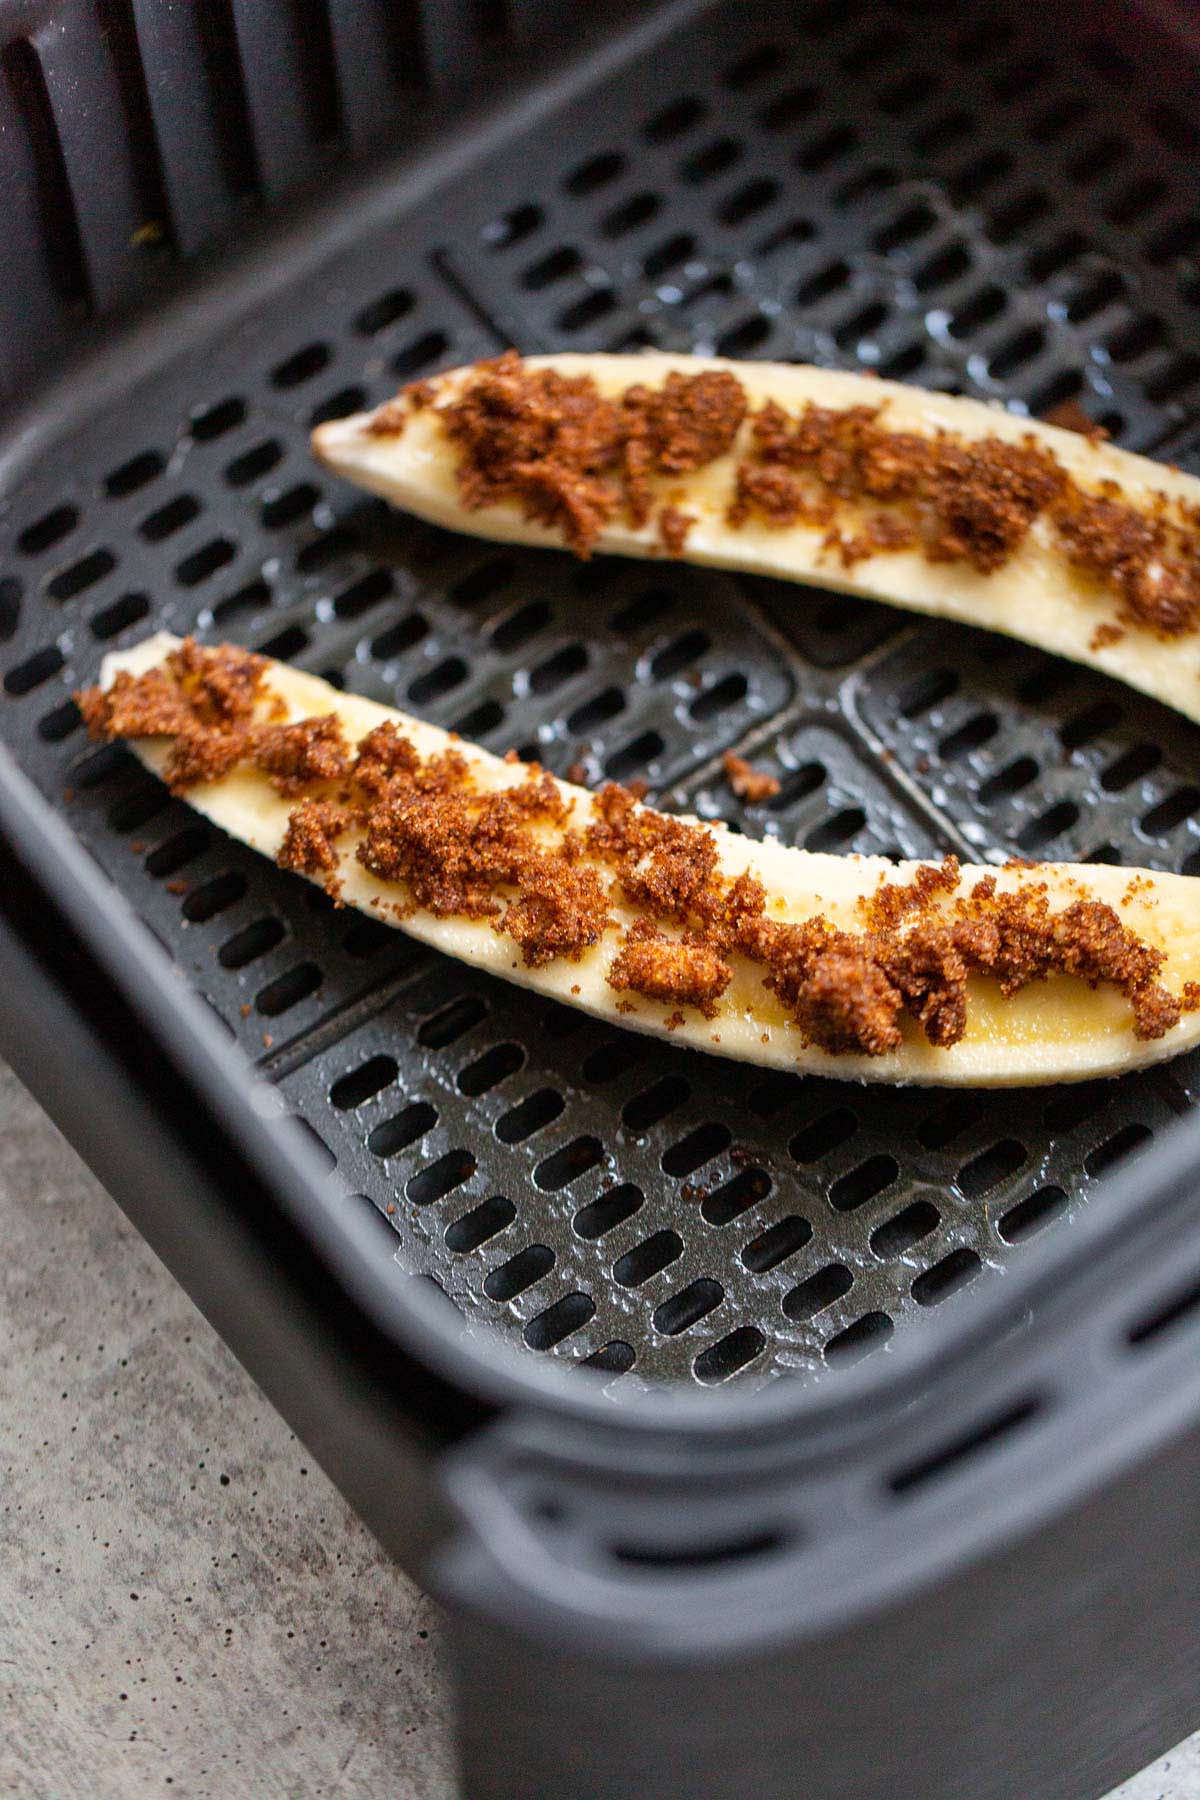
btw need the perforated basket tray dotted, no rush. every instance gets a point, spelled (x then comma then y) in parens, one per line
(820, 195)
(799, 182)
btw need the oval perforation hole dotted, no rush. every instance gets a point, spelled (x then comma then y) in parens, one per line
(713, 159)
(797, 786)
(301, 366)
(405, 635)
(824, 1134)
(588, 311)
(1048, 825)
(362, 1084)
(137, 809)
(392, 1135)
(254, 463)
(686, 1308)
(59, 723)
(595, 173)
(776, 1244)
(859, 1185)
(215, 420)
(638, 210)
(568, 1164)
(519, 1272)
(818, 1291)
(928, 691)
(477, 1227)
(81, 575)
(47, 531)
(450, 673)
(566, 663)
(731, 690)
(388, 309)
(842, 828)
(673, 120)
(214, 897)
(736, 1196)
(286, 644)
(555, 266)
(898, 1234)
(1032, 1213)
(247, 945)
(609, 1060)
(653, 1104)
(530, 1115)
(169, 518)
(515, 632)
(596, 711)
(338, 405)
(791, 107)
(614, 1358)
(990, 1167)
(649, 1258)
(287, 990)
(599, 1217)
(441, 1177)
(480, 583)
(860, 1338)
(946, 1277)
(487, 716)
(730, 1354)
(452, 1021)
(559, 1321)
(418, 355)
(681, 653)
(136, 473)
(35, 670)
(177, 851)
(697, 1148)
(490, 1069)
(976, 731)
(1008, 780)
(205, 561)
(1171, 812)
(128, 610)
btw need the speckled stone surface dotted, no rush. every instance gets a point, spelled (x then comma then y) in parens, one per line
(186, 1604)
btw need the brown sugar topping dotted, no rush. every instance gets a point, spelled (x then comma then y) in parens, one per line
(513, 858)
(750, 784)
(310, 842)
(295, 756)
(681, 971)
(673, 528)
(572, 459)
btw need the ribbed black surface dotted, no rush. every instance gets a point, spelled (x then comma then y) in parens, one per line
(833, 192)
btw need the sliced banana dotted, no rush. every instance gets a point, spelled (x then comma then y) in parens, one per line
(1058, 1029)
(1037, 595)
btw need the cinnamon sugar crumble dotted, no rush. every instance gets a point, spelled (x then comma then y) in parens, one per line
(673, 528)
(513, 858)
(574, 460)
(750, 784)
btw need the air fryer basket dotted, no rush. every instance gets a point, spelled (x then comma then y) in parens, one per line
(967, 197)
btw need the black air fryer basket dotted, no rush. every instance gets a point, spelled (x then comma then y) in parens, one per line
(524, 1284)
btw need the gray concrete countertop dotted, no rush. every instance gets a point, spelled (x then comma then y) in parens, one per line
(187, 1606)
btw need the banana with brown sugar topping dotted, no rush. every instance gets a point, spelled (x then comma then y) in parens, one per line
(842, 965)
(927, 501)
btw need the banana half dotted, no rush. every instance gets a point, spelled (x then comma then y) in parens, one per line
(1055, 1029)
(1108, 576)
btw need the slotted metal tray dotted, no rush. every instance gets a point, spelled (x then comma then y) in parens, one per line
(821, 193)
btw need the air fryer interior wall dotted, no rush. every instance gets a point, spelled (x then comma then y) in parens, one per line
(796, 182)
